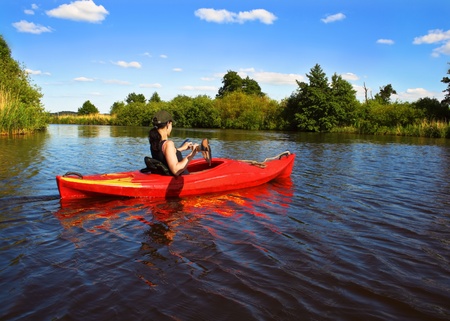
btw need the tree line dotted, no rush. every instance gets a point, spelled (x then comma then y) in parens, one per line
(318, 105)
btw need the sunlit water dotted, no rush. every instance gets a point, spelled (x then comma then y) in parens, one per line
(360, 232)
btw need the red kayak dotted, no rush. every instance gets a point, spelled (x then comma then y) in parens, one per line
(220, 175)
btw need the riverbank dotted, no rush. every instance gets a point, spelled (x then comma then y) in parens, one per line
(425, 128)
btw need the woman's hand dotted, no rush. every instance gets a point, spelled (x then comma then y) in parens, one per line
(195, 148)
(187, 145)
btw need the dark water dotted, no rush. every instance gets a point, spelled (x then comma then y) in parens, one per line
(360, 232)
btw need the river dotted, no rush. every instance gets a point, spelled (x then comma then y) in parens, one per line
(360, 232)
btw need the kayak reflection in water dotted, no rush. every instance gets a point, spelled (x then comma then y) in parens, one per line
(164, 150)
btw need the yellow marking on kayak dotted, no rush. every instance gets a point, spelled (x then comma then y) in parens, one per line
(126, 181)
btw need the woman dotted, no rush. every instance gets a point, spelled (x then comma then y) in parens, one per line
(164, 149)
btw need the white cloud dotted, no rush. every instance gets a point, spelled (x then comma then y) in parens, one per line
(225, 16)
(413, 94)
(177, 69)
(156, 85)
(83, 79)
(31, 11)
(275, 78)
(444, 50)
(124, 64)
(433, 36)
(36, 72)
(30, 27)
(385, 41)
(147, 54)
(333, 18)
(349, 76)
(117, 82)
(163, 56)
(272, 78)
(81, 10)
(198, 88)
(436, 36)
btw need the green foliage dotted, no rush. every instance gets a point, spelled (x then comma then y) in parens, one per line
(446, 80)
(135, 98)
(242, 111)
(433, 109)
(87, 108)
(318, 106)
(232, 82)
(116, 107)
(21, 110)
(155, 98)
(195, 112)
(384, 96)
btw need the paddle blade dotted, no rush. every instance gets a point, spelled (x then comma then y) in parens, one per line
(206, 150)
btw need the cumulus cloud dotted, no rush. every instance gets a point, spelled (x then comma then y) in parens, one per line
(198, 88)
(385, 41)
(163, 56)
(81, 10)
(225, 16)
(155, 85)
(124, 64)
(437, 36)
(31, 11)
(117, 82)
(275, 78)
(83, 79)
(413, 94)
(333, 18)
(36, 72)
(349, 76)
(272, 78)
(30, 27)
(177, 69)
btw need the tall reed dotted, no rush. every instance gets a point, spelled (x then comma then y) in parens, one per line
(91, 119)
(18, 118)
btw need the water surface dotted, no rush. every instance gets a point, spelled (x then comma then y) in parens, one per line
(361, 231)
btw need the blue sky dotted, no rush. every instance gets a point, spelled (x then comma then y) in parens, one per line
(103, 50)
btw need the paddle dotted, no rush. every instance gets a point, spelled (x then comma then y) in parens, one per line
(204, 148)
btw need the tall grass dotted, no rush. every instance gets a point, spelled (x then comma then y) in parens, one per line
(424, 128)
(91, 119)
(18, 118)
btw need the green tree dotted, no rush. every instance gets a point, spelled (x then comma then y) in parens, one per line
(344, 101)
(312, 107)
(116, 106)
(384, 96)
(135, 98)
(433, 109)
(21, 109)
(446, 80)
(233, 82)
(87, 108)
(155, 98)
